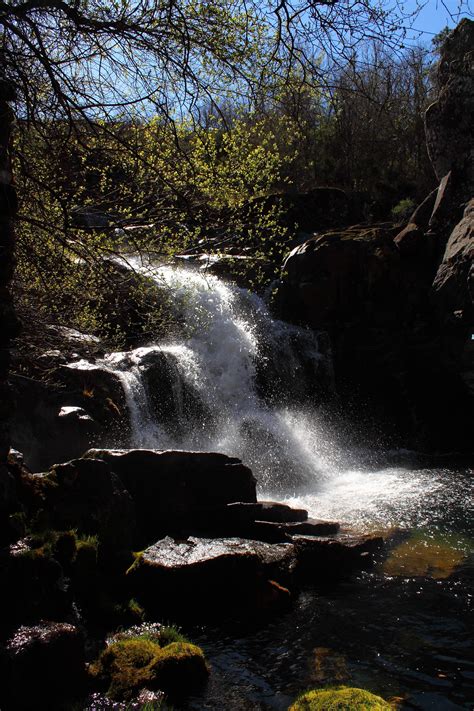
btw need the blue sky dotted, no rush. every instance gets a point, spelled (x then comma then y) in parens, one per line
(436, 14)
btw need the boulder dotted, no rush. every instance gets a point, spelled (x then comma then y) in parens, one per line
(86, 495)
(50, 657)
(175, 403)
(344, 278)
(35, 587)
(47, 425)
(202, 576)
(176, 491)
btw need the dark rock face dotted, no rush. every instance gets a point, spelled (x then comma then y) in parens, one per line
(448, 121)
(87, 495)
(176, 491)
(454, 281)
(44, 427)
(401, 341)
(34, 589)
(44, 667)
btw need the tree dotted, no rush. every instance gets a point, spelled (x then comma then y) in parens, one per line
(89, 75)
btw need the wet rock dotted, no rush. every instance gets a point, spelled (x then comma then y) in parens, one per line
(224, 576)
(172, 398)
(175, 490)
(44, 667)
(327, 558)
(280, 532)
(280, 513)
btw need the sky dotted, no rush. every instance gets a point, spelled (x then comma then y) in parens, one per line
(435, 14)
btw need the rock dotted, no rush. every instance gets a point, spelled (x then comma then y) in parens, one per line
(174, 401)
(35, 587)
(90, 218)
(343, 277)
(272, 531)
(412, 242)
(246, 271)
(177, 490)
(325, 558)
(448, 121)
(454, 281)
(51, 657)
(280, 513)
(86, 495)
(224, 576)
(44, 427)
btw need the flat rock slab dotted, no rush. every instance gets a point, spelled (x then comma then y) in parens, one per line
(172, 555)
(204, 574)
(278, 532)
(280, 513)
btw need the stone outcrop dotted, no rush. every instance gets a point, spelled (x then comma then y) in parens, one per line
(397, 305)
(448, 121)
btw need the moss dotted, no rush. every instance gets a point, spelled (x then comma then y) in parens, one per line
(130, 664)
(343, 698)
(179, 665)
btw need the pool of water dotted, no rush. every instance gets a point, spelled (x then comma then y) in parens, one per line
(403, 629)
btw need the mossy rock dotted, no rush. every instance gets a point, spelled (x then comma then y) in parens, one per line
(343, 698)
(129, 665)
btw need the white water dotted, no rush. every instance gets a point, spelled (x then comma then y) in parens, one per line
(216, 406)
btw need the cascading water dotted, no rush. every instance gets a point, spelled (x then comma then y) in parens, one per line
(229, 342)
(235, 382)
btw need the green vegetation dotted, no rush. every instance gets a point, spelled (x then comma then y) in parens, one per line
(130, 664)
(343, 698)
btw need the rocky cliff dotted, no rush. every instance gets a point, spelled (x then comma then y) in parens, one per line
(398, 304)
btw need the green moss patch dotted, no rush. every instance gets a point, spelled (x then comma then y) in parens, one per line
(128, 665)
(344, 698)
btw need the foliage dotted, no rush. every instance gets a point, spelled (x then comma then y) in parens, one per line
(341, 698)
(402, 210)
(151, 126)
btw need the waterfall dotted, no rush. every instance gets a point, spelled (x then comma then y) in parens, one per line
(233, 378)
